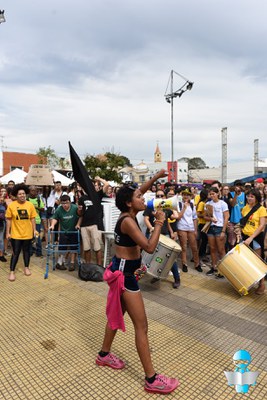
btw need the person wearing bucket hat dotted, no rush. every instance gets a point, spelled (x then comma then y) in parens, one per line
(187, 229)
(186, 191)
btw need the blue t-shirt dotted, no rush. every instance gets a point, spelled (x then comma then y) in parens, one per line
(236, 214)
(2, 214)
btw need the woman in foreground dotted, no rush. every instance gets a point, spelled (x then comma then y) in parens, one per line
(253, 231)
(124, 288)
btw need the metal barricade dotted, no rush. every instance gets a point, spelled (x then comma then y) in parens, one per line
(54, 248)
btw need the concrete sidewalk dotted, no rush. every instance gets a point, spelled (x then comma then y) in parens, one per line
(51, 331)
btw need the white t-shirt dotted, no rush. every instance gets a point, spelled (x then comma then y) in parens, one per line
(186, 223)
(219, 208)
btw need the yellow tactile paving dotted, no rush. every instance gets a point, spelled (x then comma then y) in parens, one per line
(52, 329)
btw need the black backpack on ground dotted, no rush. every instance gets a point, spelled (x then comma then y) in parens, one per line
(91, 272)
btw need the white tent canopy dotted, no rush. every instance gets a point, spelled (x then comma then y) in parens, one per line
(17, 175)
(65, 181)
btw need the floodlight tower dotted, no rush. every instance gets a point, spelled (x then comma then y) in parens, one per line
(224, 155)
(169, 96)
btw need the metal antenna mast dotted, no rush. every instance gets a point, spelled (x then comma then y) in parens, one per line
(224, 155)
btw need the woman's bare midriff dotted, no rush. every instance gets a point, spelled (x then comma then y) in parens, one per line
(128, 253)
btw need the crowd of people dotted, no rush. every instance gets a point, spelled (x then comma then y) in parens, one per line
(30, 215)
(211, 221)
(187, 225)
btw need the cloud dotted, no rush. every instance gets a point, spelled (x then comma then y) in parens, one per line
(95, 73)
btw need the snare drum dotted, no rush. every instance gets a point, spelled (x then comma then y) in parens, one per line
(160, 262)
(243, 268)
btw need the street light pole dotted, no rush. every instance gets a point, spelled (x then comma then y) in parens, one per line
(169, 98)
(172, 169)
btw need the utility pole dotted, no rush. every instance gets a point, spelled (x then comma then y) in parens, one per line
(1, 154)
(256, 156)
(224, 155)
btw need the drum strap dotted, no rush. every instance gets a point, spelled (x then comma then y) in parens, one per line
(244, 220)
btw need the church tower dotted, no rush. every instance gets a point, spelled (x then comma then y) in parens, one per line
(157, 154)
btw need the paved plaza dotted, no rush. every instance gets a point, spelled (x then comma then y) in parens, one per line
(51, 330)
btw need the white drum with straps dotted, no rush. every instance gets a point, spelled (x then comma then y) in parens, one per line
(243, 268)
(160, 262)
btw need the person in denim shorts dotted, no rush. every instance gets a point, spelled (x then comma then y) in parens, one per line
(216, 232)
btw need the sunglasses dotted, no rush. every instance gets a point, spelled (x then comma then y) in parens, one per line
(161, 195)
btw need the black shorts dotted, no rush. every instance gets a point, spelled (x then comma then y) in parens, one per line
(68, 241)
(129, 268)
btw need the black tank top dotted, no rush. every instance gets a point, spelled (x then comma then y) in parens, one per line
(121, 239)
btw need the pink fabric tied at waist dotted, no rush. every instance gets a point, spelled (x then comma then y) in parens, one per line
(115, 280)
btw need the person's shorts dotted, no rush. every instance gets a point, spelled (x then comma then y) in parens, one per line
(68, 241)
(91, 237)
(214, 230)
(43, 215)
(130, 282)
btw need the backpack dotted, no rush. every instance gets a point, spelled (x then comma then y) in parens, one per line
(181, 205)
(91, 272)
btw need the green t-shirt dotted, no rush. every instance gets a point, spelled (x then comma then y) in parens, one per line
(38, 203)
(67, 219)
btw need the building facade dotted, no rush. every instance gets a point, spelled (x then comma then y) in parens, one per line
(10, 160)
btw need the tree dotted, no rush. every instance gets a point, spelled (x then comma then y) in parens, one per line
(106, 166)
(47, 156)
(194, 163)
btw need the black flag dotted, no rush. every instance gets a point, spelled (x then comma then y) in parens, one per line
(81, 176)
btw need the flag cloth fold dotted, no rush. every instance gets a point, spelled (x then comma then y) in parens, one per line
(81, 176)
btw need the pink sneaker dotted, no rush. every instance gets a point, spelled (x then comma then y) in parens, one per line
(111, 361)
(162, 384)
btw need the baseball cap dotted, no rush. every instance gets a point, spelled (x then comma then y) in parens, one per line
(186, 191)
(259, 180)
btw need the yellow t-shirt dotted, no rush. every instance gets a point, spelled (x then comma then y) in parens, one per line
(200, 208)
(196, 199)
(21, 215)
(254, 220)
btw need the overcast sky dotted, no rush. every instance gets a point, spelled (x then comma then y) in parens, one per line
(95, 72)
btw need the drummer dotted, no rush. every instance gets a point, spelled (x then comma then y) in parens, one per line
(253, 231)
(124, 288)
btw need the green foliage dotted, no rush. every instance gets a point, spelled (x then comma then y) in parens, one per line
(47, 156)
(106, 166)
(117, 160)
(194, 163)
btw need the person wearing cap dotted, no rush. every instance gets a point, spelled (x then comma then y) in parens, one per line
(71, 191)
(187, 229)
(168, 229)
(247, 187)
(258, 183)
